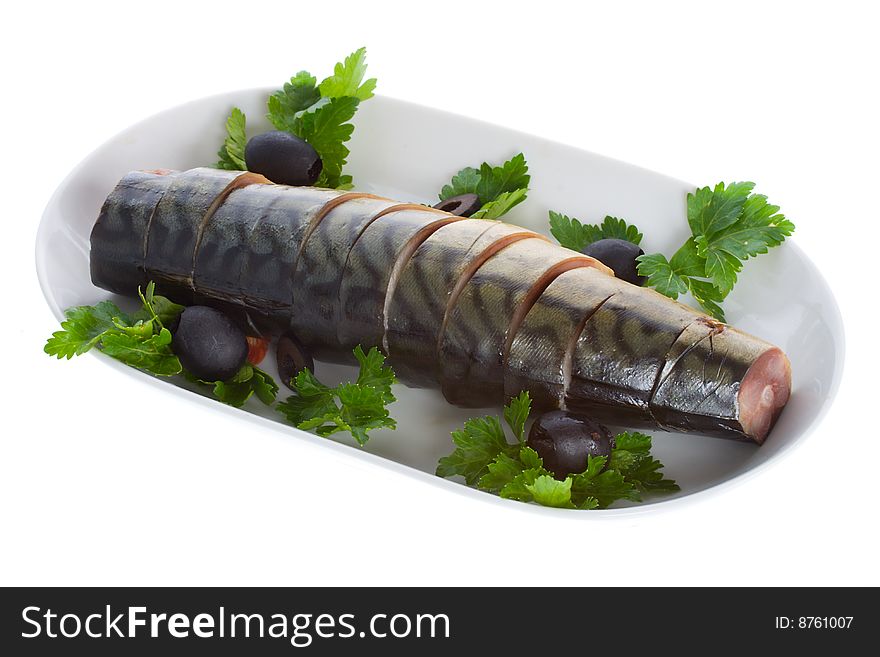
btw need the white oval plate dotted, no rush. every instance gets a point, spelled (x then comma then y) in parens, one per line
(408, 152)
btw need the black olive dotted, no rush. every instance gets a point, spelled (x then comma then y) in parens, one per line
(463, 205)
(620, 255)
(283, 158)
(209, 345)
(292, 358)
(564, 441)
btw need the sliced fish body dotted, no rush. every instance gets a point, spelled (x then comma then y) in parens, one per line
(696, 331)
(271, 250)
(489, 308)
(221, 254)
(619, 355)
(174, 229)
(119, 235)
(425, 288)
(319, 271)
(539, 360)
(372, 271)
(728, 383)
(450, 302)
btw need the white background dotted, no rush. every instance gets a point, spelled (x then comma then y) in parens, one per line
(105, 481)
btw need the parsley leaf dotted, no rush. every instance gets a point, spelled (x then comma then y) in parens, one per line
(708, 296)
(83, 329)
(604, 486)
(661, 275)
(139, 340)
(157, 308)
(572, 234)
(614, 227)
(569, 232)
(711, 210)
(464, 182)
(247, 382)
(683, 274)
(501, 205)
(721, 267)
(347, 78)
(548, 491)
(231, 154)
(312, 403)
(758, 228)
(502, 470)
(672, 277)
(482, 441)
(294, 97)
(632, 458)
(327, 129)
(363, 409)
(152, 354)
(486, 460)
(498, 188)
(530, 458)
(357, 408)
(518, 488)
(477, 445)
(509, 177)
(264, 387)
(729, 224)
(374, 373)
(635, 443)
(516, 413)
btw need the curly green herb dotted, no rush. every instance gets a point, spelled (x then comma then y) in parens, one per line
(319, 114)
(498, 188)
(357, 407)
(486, 460)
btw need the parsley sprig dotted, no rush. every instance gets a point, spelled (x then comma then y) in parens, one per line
(487, 460)
(231, 154)
(140, 340)
(572, 234)
(729, 224)
(320, 114)
(250, 380)
(357, 407)
(499, 188)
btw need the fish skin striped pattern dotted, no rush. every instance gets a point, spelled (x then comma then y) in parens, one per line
(478, 308)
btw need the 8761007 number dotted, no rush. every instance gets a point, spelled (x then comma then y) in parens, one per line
(814, 622)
